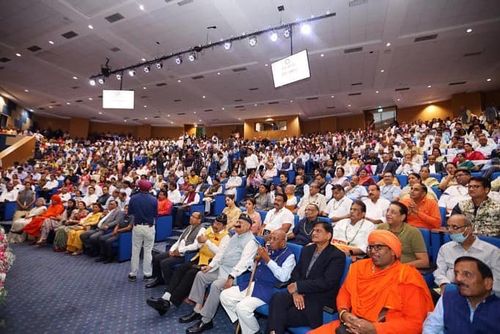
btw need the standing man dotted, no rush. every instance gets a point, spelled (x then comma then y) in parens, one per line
(144, 207)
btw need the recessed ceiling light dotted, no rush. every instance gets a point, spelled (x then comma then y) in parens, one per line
(194, 112)
(145, 118)
(332, 96)
(255, 105)
(168, 115)
(429, 86)
(348, 105)
(399, 99)
(266, 65)
(68, 103)
(376, 92)
(203, 96)
(26, 90)
(50, 107)
(469, 30)
(382, 71)
(90, 99)
(100, 112)
(239, 119)
(388, 44)
(291, 101)
(200, 120)
(222, 108)
(218, 73)
(305, 29)
(489, 79)
(125, 120)
(141, 7)
(75, 78)
(171, 122)
(145, 106)
(143, 59)
(144, 87)
(91, 26)
(18, 54)
(179, 81)
(322, 55)
(273, 36)
(51, 42)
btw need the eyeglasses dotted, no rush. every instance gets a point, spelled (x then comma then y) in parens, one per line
(474, 186)
(455, 227)
(375, 248)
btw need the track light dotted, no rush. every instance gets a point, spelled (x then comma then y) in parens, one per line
(100, 81)
(159, 65)
(252, 41)
(286, 33)
(118, 77)
(92, 82)
(178, 60)
(131, 73)
(227, 45)
(273, 36)
(147, 69)
(192, 57)
(305, 29)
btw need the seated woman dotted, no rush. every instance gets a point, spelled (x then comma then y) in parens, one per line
(75, 217)
(16, 234)
(74, 244)
(232, 212)
(426, 178)
(263, 199)
(254, 215)
(365, 179)
(340, 177)
(55, 209)
(463, 163)
(164, 204)
(52, 224)
(407, 166)
(412, 179)
(291, 200)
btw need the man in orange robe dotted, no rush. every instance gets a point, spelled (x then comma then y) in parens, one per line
(380, 294)
(35, 225)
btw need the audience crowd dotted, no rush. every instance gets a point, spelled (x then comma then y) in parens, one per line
(296, 213)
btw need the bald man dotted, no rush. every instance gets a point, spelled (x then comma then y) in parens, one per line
(275, 265)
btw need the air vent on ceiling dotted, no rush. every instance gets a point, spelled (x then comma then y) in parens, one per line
(238, 100)
(184, 2)
(181, 113)
(312, 98)
(4, 59)
(425, 38)
(357, 84)
(354, 3)
(331, 107)
(34, 48)
(144, 97)
(207, 110)
(240, 106)
(472, 54)
(57, 105)
(177, 100)
(197, 77)
(273, 102)
(167, 1)
(156, 117)
(402, 89)
(115, 49)
(239, 69)
(100, 96)
(352, 50)
(41, 108)
(160, 84)
(79, 101)
(135, 119)
(457, 83)
(354, 94)
(75, 87)
(255, 88)
(115, 17)
(69, 34)
(52, 101)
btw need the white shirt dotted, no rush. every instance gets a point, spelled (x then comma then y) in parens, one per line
(354, 236)
(8, 196)
(51, 185)
(376, 210)
(284, 272)
(452, 195)
(275, 219)
(318, 199)
(251, 161)
(181, 245)
(339, 208)
(174, 196)
(356, 192)
(479, 249)
(243, 264)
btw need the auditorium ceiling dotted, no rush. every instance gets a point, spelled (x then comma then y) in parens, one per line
(371, 53)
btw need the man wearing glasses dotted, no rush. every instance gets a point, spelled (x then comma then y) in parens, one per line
(380, 294)
(482, 210)
(464, 243)
(388, 189)
(456, 193)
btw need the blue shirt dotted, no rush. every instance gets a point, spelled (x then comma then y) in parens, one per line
(144, 208)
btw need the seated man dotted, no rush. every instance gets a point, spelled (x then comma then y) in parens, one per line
(482, 210)
(301, 234)
(414, 251)
(339, 206)
(472, 308)
(464, 243)
(227, 265)
(213, 240)
(388, 189)
(423, 211)
(125, 224)
(355, 191)
(456, 193)
(315, 283)
(107, 223)
(273, 267)
(163, 263)
(351, 234)
(380, 294)
(314, 197)
(376, 206)
(279, 217)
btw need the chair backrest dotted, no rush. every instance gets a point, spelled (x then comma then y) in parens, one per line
(442, 211)
(296, 250)
(426, 234)
(262, 214)
(492, 240)
(403, 180)
(348, 262)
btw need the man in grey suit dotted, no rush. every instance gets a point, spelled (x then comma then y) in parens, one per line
(90, 239)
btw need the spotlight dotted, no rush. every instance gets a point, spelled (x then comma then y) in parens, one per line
(92, 82)
(192, 57)
(273, 36)
(159, 65)
(100, 81)
(147, 69)
(118, 77)
(286, 33)
(305, 29)
(131, 73)
(252, 41)
(227, 45)
(178, 60)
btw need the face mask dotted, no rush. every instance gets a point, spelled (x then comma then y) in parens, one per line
(458, 237)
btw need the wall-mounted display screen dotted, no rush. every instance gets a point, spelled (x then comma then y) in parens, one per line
(291, 69)
(270, 126)
(118, 99)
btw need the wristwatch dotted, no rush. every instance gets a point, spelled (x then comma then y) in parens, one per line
(230, 277)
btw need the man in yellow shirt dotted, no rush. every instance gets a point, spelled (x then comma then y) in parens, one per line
(193, 179)
(183, 277)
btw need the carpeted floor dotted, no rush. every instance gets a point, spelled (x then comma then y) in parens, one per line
(57, 293)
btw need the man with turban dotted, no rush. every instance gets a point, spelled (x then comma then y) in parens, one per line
(35, 225)
(380, 294)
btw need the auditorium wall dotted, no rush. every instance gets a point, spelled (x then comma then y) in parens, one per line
(293, 128)
(491, 99)
(166, 132)
(325, 124)
(350, 122)
(224, 131)
(51, 123)
(425, 112)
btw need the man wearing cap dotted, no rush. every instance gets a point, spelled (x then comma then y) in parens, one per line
(182, 279)
(380, 294)
(231, 261)
(144, 207)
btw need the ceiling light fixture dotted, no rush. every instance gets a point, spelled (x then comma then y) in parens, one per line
(305, 29)
(18, 54)
(192, 57)
(376, 92)
(51, 42)
(382, 71)
(131, 73)
(141, 7)
(273, 36)
(489, 79)
(159, 65)
(287, 32)
(147, 69)
(468, 31)
(429, 86)
(322, 55)
(179, 81)
(118, 76)
(68, 103)
(100, 81)
(227, 45)
(90, 99)
(92, 82)
(75, 78)
(178, 60)
(91, 27)
(388, 44)
(26, 90)
(252, 41)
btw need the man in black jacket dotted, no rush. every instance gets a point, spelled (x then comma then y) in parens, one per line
(314, 284)
(387, 165)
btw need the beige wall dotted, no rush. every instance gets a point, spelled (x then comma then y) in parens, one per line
(122, 129)
(351, 122)
(52, 123)
(491, 98)
(166, 132)
(79, 127)
(471, 101)
(224, 131)
(326, 124)
(293, 128)
(143, 131)
(425, 112)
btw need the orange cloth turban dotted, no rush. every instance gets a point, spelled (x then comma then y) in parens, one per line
(387, 238)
